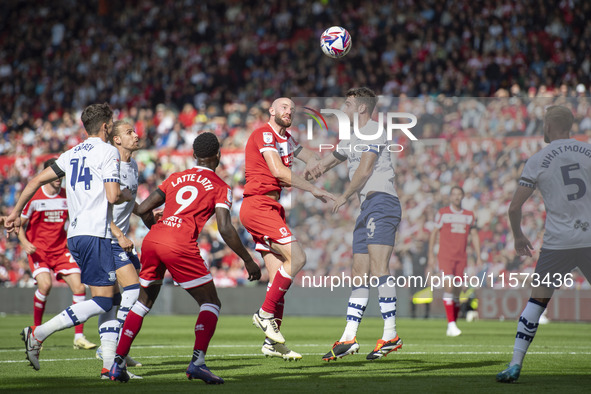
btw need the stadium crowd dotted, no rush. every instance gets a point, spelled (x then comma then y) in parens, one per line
(179, 68)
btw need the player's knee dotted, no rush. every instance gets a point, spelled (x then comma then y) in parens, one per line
(105, 303)
(44, 287)
(79, 289)
(298, 260)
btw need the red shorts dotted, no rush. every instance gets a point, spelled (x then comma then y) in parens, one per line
(452, 267)
(60, 262)
(264, 218)
(185, 264)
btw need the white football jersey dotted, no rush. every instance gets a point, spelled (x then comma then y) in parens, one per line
(87, 166)
(129, 180)
(382, 177)
(562, 172)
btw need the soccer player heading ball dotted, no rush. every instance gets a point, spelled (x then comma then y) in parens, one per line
(269, 154)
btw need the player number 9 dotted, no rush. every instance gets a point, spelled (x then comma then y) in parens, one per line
(185, 202)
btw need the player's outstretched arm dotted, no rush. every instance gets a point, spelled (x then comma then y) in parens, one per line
(360, 177)
(12, 222)
(144, 210)
(288, 178)
(325, 164)
(312, 160)
(522, 245)
(231, 238)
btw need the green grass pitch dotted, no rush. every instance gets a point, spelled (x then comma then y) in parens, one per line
(559, 359)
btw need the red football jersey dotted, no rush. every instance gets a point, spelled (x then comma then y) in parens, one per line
(191, 197)
(259, 179)
(47, 219)
(454, 228)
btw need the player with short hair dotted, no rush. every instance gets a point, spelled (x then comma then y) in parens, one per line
(124, 138)
(44, 239)
(269, 154)
(371, 175)
(191, 197)
(91, 169)
(453, 225)
(562, 173)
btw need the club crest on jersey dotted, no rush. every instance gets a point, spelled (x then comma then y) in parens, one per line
(112, 276)
(267, 137)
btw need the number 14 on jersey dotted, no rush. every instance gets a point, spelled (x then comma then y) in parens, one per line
(80, 174)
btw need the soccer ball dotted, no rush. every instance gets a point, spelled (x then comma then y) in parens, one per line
(335, 42)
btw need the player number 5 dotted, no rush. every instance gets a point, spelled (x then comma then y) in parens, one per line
(582, 188)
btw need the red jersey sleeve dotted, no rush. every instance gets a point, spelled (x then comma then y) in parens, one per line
(224, 197)
(264, 141)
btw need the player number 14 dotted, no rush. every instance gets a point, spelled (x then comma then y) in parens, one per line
(80, 174)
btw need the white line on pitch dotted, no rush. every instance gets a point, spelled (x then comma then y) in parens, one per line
(299, 345)
(304, 354)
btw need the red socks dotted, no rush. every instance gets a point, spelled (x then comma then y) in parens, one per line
(205, 326)
(281, 284)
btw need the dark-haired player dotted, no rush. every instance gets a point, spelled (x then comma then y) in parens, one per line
(44, 239)
(91, 169)
(191, 197)
(372, 178)
(453, 224)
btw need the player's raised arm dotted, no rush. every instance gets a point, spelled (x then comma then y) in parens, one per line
(231, 238)
(287, 178)
(522, 245)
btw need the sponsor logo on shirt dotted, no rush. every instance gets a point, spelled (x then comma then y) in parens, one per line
(582, 225)
(267, 137)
